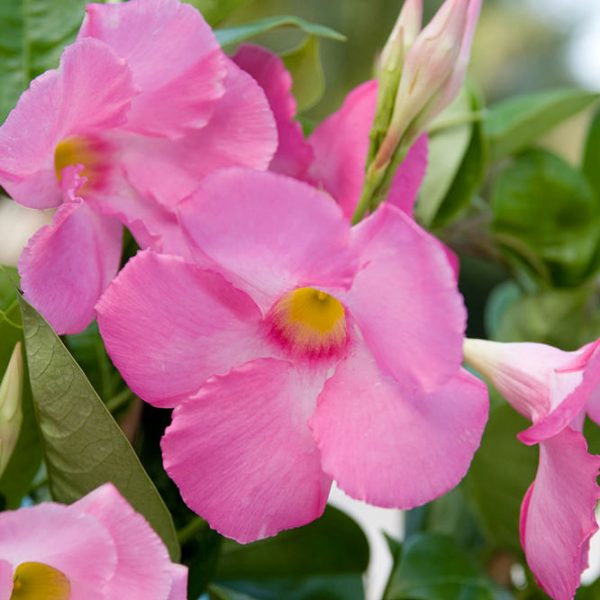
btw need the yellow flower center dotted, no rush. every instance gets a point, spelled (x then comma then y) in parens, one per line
(79, 151)
(310, 321)
(37, 581)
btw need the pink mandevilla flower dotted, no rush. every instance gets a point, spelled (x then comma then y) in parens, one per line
(554, 389)
(334, 156)
(297, 350)
(96, 549)
(141, 108)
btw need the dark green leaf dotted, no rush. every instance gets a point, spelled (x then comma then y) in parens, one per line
(547, 218)
(33, 34)
(324, 559)
(215, 11)
(433, 567)
(240, 33)
(591, 592)
(516, 123)
(591, 155)
(308, 77)
(83, 445)
(500, 474)
(470, 174)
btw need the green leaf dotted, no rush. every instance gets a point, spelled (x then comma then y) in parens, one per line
(240, 33)
(83, 445)
(433, 567)
(11, 406)
(591, 155)
(324, 559)
(516, 123)
(447, 148)
(546, 218)
(33, 34)
(470, 174)
(566, 318)
(308, 78)
(500, 474)
(215, 11)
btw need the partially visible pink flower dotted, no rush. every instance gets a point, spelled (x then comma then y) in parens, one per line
(96, 549)
(334, 157)
(141, 108)
(554, 389)
(297, 350)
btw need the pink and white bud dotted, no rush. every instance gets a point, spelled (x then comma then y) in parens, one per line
(405, 32)
(433, 71)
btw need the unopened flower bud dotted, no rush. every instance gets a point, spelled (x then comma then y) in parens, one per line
(403, 35)
(11, 414)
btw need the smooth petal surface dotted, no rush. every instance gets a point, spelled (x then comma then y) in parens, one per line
(6, 580)
(405, 300)
(242, 455)
(340, 146)
(241, 132)
(557, 516)
(91, 91)
(143, 568)
(268, 232)
(68, 540)
(294, 154)
(67, 265)
(389, 446)
(179, 583)
(169, 325)
(174, 57)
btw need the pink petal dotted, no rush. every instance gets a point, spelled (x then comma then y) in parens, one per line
(241, 452)
(6, 580)
(91, 91)
(391, 446)
(557, 516)
(174, 57)
(270, 233)
(405, 300)
(63, 538)
(241, 132)
(294, 154)
(169, 325)
(143, 566)
(179, 583)
(340, 146)
(67, 265)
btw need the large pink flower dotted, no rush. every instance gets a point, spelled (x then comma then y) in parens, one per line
(335, 155)
(297, 350)
(554, 389)
(96, 549)
(141, 108)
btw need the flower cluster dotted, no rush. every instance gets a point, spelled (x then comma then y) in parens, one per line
(295, 347)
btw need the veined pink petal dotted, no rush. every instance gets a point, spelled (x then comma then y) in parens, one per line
(405, 300)
(169, 325)
(340, 145)
(241, 132)
(268, 233)
(6, 580)
(68, 540)
(143, 569)
(91, 90)
(294, 154)
(242, 455)
(174, 57)
(557, 516)
(390, 446)
(67, 265)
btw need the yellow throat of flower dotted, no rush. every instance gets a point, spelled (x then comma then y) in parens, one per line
(310, 321)
(78, 151)
(37, 581)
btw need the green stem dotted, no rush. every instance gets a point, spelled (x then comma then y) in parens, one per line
(189, 531)
(464, 119)
(119, 400)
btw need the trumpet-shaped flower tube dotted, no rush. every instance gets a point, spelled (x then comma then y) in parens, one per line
(297, 350)
(142, 106)
(554, 389)
(96, 549)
